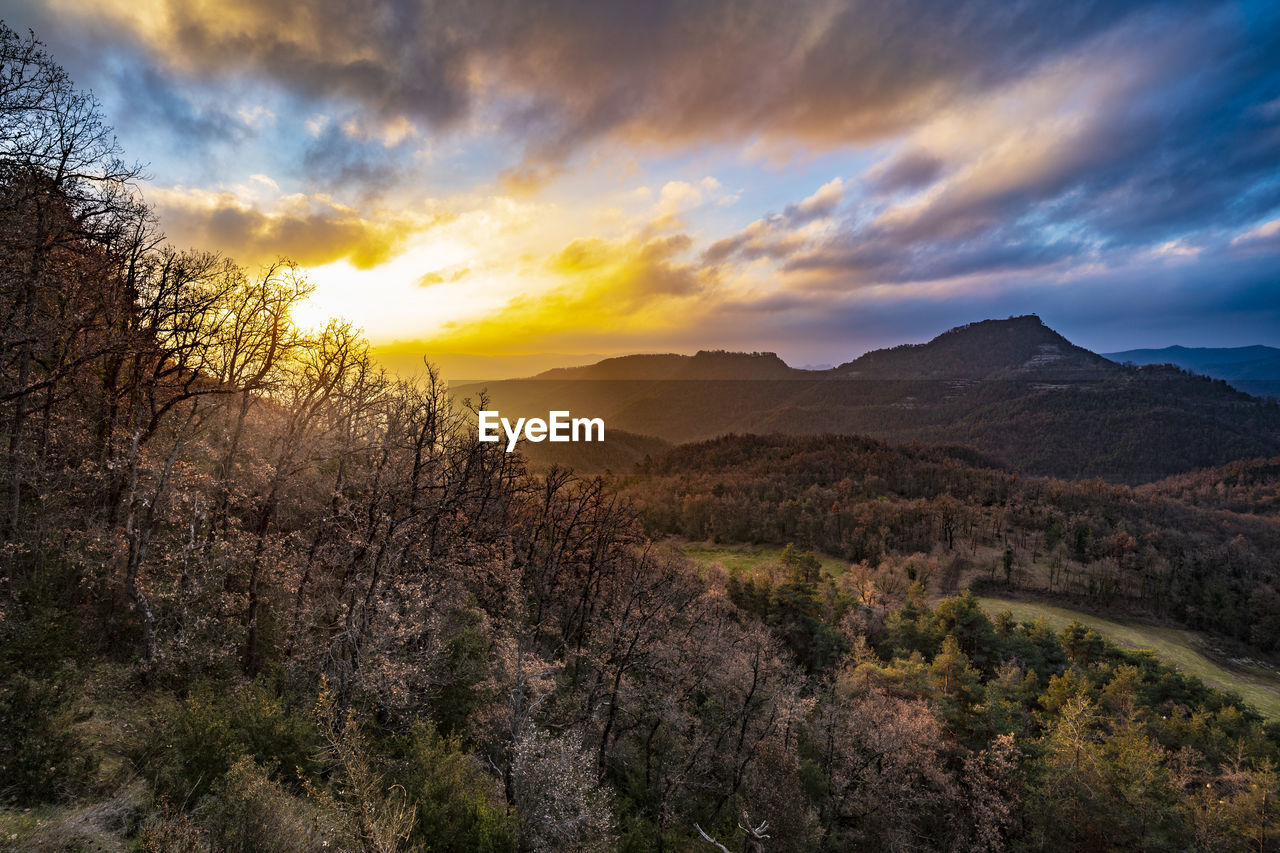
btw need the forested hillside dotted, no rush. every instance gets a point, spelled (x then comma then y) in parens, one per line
(1111, 547)
(1251, 487)
(258, 595)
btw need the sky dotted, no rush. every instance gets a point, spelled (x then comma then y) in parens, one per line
(817, 178)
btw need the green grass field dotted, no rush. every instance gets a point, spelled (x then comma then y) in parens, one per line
(739, 559)
(1259, 686)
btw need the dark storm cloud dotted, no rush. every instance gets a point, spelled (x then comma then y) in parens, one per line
(559, 73)
(1162, 156)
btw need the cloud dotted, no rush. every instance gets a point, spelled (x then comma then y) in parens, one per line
(781, 235)
(909, 170)
(678, 196)
(339, 157)
(821, 204)
(435, 277)
(556, 74)
(1034, 151)
(631, 270)
(1102, 156)
(861, 263)
(1213, 298)
(310, 231)
(256, 116)
(527, 178)
(1262, 238)
(187, 113)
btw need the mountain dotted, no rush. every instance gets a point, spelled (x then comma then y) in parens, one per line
(1016, 348)
(405, 359)
(1255, 362)
(1254, 369)
(706, 364)
(1012, 389)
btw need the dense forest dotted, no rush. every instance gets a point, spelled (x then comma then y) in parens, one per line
(257, 594)
(1168, 549)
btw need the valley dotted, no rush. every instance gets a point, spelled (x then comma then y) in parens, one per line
(1195, 654)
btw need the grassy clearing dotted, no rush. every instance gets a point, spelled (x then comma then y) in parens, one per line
(1259, 686)
(750, 559)
(18, 825)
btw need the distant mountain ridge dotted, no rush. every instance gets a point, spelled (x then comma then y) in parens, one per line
(705, 364)
(1015, 348)
(1252, 362)
(1013, 389)
(1253, 369)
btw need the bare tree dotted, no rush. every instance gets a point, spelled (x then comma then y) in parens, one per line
(755, 835)
(65, 181)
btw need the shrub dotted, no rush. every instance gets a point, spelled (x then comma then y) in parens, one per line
(250, 812)
(42, 756)
(213, 729)
(457, 806)
(172, 831)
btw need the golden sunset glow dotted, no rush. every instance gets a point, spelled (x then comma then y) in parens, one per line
(549, 182)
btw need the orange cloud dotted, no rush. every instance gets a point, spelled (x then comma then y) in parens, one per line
(310, 231)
